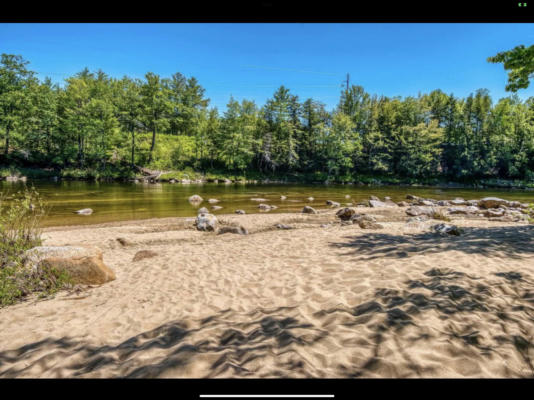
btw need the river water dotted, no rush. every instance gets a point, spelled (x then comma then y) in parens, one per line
(128, 201)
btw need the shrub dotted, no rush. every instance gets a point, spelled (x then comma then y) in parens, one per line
(20, 230)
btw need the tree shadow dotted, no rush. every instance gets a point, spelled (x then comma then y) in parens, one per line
(172, 346)
(448, 294)
(509, 241)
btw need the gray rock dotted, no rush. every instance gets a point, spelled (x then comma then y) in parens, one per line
(213, 201)
(374, 198)
(215, 208)
(420, 210)
(264, 207)
(308, 210)
(458, 202)
(203, 210)
(463, 210)
(356, 218)
(257, 199)
(240, 211)
(84, 211)
(443, 203)
(403, 204)
(206, 222)
(282, 226)
(310, 199)
(499, 212)
(283, 197)
(447, 229)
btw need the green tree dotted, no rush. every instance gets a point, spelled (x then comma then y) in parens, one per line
(520, 62)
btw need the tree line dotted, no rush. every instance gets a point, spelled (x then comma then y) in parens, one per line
(96, 121)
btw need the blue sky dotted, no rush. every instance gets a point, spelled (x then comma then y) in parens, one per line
(251, 60)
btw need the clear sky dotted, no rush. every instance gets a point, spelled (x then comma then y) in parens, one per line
(252, 60)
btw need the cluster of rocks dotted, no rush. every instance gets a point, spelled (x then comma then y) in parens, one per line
(208, 222)
(494, 208)
(349, 216)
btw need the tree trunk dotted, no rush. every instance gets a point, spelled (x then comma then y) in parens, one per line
(6, 150)
(133, 147)
(152, 145)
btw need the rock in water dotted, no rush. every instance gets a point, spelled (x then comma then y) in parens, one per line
(447, 229)
(206, 222)
(213, 201)
(238, 230)
(309, 210)
(84, 211)
(264, 207)
(332, 203)
(203, 210)
(240, 211)
(347, 196)
(310, 199)
(83, 264)
(140, 255)
(492, 202)
(283, 197)
(196, 199)
(215, 208)
(257, 199)
(374, 198)
(345, 214)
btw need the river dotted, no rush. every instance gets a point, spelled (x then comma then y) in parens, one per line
(129, 201)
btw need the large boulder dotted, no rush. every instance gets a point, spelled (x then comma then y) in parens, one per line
(492, 202)
(196, 199)
(206, 222)
(345, 213)
(309, 210)
(83, 264)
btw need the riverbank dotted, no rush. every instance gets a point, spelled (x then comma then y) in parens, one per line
(125, 174)
(318, 300)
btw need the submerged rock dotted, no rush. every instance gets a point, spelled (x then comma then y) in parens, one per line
(196, 199)
(309, 210)
(84, 265)
(84, 211)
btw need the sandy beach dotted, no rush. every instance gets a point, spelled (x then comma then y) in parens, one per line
(315, 301)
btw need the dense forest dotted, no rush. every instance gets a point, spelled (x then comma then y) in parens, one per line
(94, 122)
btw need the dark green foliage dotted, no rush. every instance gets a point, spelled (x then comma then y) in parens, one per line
(97, 127)
(520, 62)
